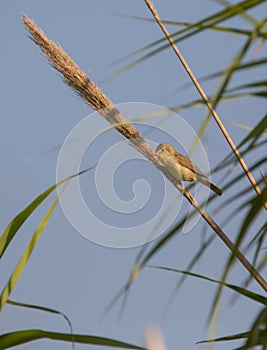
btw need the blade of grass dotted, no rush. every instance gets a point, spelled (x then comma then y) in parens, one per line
(255, 207)
(245, 292)
(221, 90)
(256, 336)
(257, 240)
(44, 309)
(33, 241)
(232, 97)
(189, 267)
(9, 340)
(187, 24)
(13, 227)
(255, 133)
(260, 234)
(15, 224)
(246, 127)
(189, 31)
(243, 66)
(26, 255)
(236, 336)
(245, 15)
(257, 84)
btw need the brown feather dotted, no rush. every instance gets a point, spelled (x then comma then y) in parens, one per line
(182, 167)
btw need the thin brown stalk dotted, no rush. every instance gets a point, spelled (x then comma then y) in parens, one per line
(205, 98)
(94, 97)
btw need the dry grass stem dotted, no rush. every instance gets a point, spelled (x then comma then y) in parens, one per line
(205, 98)
(95, 98)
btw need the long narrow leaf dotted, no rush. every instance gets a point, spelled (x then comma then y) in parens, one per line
(41, 308)
(257, 84)
(256, 336)
(18, 221)
(215, 100)
(187, 24)
(257, 131)
(13, 227)
(237, 336)
(26, 255)
(243, 66)
(33, 241)
(191, 30)
(256, 205)
(200, 103)
(245, 292)
(9, 340)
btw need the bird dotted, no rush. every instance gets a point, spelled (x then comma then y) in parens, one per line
(182, 168)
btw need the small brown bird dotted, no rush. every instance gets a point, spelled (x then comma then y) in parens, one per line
(182, 168)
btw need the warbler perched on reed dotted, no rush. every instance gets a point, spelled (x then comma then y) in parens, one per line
(182, 168)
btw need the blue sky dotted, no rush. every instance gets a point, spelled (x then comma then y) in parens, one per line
(66, 271)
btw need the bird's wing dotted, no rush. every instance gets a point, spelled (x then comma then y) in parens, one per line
(186, 162)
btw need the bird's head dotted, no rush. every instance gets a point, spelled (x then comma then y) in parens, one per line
(164, 149)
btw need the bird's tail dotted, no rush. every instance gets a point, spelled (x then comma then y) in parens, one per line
(205, 181)
(215, 189)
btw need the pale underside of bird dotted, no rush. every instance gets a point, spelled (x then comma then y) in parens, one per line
(182, 168)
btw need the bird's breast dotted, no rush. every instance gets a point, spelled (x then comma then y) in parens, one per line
(178, 171)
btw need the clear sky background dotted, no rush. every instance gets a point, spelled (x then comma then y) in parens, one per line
(66, 271)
